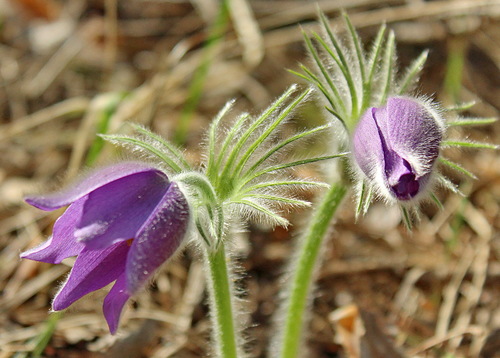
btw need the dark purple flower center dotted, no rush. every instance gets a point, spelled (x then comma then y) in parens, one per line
(407, 187)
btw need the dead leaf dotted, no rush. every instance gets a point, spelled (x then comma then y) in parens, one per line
(360, 335)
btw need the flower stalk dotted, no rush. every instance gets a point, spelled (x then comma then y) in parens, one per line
(301, 283)
(221, 304)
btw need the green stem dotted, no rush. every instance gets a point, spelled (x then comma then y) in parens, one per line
(304, 266)
(223, 326)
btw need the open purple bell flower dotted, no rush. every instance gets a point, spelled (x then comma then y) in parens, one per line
(122, 223)
(396, 146)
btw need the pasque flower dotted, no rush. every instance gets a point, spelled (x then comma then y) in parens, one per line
(123, 222)
(396, 146)
(395, 137)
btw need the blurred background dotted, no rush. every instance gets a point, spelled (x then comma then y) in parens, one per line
(71, 69)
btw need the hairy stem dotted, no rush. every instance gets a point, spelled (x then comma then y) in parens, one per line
(221, 304)
(302, 273)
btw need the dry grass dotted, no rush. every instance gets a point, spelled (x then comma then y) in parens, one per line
(434, 293)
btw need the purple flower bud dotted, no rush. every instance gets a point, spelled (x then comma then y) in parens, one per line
(396, 146)
(122, 223)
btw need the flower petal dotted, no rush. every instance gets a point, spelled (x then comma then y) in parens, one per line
(92, 182)
(114, 303)
(158, 239)
(413, 132)
(396, 146)
(62, 244)
(412, 135)
(367, 145)
(93, 270)
(116, 211)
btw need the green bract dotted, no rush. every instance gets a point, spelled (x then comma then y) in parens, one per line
(243, 171)
(352, 79)
(242, 175)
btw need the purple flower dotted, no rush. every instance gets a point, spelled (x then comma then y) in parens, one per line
(396, 146)
(122, 223)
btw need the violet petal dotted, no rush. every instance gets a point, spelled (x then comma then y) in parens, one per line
(158, 239)
(114, 303)
(413, 133)
(115, 212)
(95, 180)
(62, 244)
(367, 145)
(93, 270)
(397, 145)
(412, 136)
